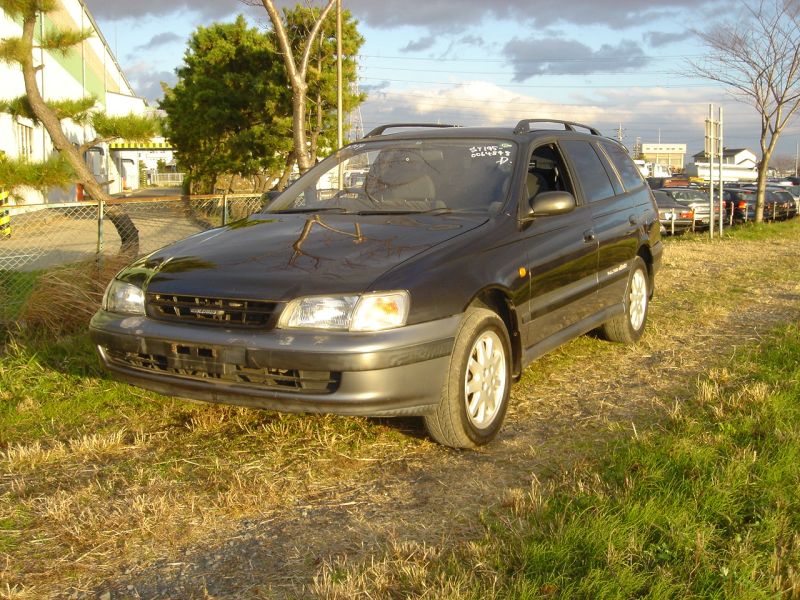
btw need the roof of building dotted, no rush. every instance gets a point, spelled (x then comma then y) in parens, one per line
(725, 152)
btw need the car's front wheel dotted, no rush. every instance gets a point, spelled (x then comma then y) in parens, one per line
(475, 394)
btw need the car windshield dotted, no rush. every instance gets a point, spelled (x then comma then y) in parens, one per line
(403, 176)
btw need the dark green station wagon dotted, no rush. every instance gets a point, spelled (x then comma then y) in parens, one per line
(410, 273)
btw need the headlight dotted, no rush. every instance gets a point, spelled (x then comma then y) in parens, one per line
(125, 298)
(369, 312)
(376, 312)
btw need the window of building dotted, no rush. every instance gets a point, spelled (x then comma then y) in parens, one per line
(24, 140)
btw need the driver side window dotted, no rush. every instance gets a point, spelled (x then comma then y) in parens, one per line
(546, 172)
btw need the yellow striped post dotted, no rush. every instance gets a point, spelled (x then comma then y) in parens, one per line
(5, 216)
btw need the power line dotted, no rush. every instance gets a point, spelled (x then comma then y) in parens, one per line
(531, 74)
(528, 60)
(549, 86)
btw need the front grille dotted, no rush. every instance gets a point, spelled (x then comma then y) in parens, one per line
(212, 311)
(209, 364)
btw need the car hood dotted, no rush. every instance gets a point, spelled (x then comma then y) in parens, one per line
(282, 256)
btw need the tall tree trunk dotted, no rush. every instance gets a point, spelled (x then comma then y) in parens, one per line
(761, 187)
(304, 159)
(129, 235)
(287, 172)
(297, 78)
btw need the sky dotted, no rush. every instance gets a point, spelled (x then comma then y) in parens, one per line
(612, 64)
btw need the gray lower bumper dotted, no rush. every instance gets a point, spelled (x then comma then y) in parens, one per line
(384, 373)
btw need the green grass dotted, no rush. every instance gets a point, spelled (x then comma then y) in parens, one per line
(706, 506)
(710, 507)
(48, 388)
(744, 232)
(15, 287)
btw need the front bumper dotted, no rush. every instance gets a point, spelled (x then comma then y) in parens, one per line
(396, 372)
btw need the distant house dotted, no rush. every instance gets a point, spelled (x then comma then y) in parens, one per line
(89, 69)
(738, 164)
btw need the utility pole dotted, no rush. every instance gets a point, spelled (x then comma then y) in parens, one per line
(339, 102)
(721, 161)
(796, 156)
(713, 148)
(711, 151)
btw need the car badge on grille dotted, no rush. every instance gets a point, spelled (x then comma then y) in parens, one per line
(207, 312)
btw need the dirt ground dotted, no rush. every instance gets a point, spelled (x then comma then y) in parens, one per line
(711, 300)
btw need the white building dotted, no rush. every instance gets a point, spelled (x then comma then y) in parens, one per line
(669, 156)
(738, 164)
(89, 69)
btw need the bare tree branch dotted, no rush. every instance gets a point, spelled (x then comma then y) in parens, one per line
(758, 58)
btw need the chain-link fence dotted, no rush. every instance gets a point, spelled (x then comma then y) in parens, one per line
(38, 238)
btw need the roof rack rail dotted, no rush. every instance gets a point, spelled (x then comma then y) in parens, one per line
(525, 125)
(379, 130)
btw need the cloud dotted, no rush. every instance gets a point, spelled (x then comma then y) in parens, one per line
(644, 112)
(553, 56)
(437, 15)
(158, 40)
(657, 39)
(455, 15)
(146, 81)
(121, 9)
(471, 40)
(470, 103)
(419, 45)
(375, 88)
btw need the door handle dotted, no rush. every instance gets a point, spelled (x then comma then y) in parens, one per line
(589, 235)
(633, 220)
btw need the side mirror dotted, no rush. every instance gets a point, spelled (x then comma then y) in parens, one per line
(548, 204)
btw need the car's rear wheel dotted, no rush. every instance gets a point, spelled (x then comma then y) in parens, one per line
(475, 394)
(629, 326)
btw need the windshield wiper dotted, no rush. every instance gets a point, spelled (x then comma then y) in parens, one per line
(338, 209)
(432, 211)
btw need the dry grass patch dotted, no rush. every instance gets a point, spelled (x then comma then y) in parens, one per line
(79, 289)
(99, 503)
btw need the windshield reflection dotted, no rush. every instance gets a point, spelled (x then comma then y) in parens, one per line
(401, 176)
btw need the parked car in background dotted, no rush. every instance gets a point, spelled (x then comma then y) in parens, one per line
(675, 218)
(794, 190)
(741, 202)
(784, 205)
(779, 204)
(423, 288)
(697, 200)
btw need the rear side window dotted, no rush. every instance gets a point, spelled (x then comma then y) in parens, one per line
(743, 196)
(784, 196)
(589, 170)
(630, 175)
(690, 196)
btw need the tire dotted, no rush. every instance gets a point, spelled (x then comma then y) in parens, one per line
(629, 326)
(469, 414)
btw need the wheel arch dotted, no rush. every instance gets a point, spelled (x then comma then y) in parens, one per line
(647, 256)
(499, 301)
